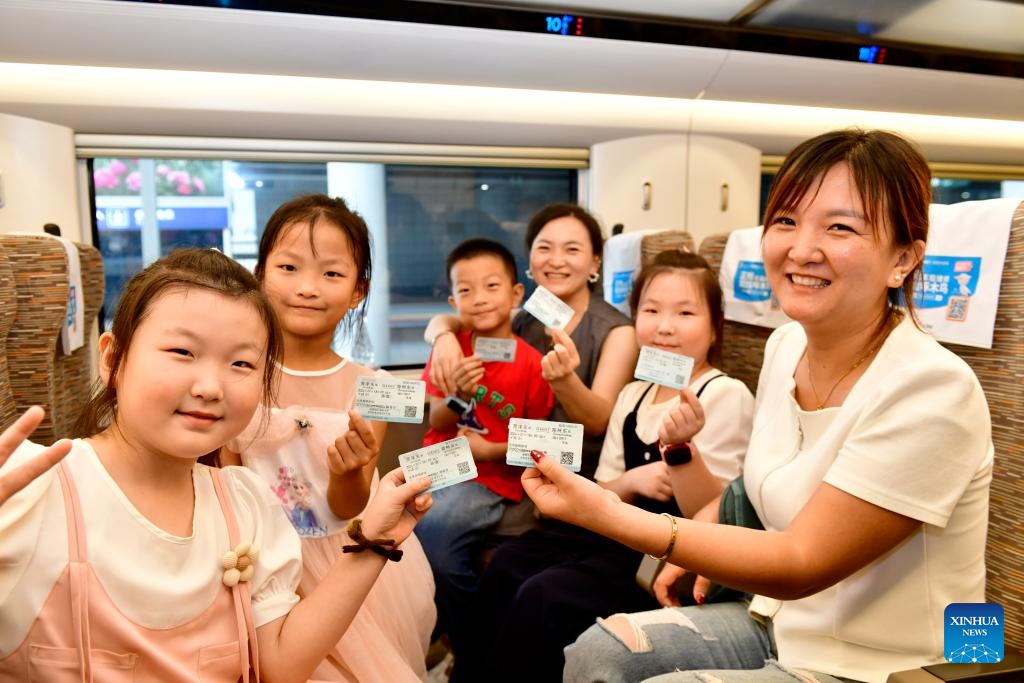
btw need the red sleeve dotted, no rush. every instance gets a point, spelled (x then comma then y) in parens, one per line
(431, 389)
(540, 399)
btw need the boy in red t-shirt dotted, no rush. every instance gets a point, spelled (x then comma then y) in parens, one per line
(485, 289)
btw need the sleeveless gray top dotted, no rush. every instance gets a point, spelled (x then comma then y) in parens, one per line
(599, 319)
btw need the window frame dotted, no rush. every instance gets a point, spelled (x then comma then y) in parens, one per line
(93, 146)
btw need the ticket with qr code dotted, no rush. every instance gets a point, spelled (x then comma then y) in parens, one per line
(560, 440)
(664, 367)
(390, 400)
(548, 308)
(495, 348)
(446, 463)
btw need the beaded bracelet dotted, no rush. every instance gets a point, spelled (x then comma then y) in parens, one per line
(384, 547)
(671, 540)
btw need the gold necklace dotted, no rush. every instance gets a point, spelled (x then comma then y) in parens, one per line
(820, 403)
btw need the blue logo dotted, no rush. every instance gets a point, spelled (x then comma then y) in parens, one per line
(946, 277)
(750, 282)
(973, 632)
(622, 282)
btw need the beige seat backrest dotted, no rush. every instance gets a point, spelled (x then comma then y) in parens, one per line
(651, 245)
(1001, 373)
(41, 374)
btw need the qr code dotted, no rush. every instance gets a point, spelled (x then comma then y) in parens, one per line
(410, 411)
(463, 467)
(679, 380)
(506, 356)
(957, 308)
(565, 458)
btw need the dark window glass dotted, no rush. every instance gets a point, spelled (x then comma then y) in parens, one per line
(225, 204)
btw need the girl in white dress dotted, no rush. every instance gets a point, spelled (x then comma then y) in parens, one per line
(318, 455)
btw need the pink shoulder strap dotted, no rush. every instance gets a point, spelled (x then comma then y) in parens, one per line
(242, 591)
(78, 568)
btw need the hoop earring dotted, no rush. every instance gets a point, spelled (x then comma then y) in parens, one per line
(593, 278)
(529, 274)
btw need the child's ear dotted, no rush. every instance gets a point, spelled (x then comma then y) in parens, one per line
(106, 346)
(451, 302)
(358, 295)
(518, 290)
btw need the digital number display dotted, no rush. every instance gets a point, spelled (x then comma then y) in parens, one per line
(564, 24)
(871, 54)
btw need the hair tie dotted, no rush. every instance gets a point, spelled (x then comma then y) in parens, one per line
(385, 547)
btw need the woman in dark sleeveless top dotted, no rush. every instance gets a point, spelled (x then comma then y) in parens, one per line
(547, 586)
(589, 362)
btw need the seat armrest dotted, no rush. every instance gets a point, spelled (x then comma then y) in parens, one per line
(1010, 670)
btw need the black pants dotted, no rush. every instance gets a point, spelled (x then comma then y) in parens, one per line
(538, 594)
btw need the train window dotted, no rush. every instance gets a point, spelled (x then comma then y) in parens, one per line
(956, 190)
(948, 188)
(145, 208)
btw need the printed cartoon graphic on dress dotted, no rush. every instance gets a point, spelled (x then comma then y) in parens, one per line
(295, 495)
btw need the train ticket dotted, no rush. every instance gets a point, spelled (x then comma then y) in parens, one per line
(390, 400)
(495, 348)
(548, 308)
(561, 440)
(446, 463)
(664, 367)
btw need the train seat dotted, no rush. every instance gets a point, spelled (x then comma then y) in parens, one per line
(8, 311)
(40, 373)
(742, 344)
(1001, 373)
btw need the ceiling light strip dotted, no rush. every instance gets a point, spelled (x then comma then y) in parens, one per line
(94, 145)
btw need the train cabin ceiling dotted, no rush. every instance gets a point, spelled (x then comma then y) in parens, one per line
(472, 75)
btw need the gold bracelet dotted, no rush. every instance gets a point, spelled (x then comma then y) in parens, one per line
(671, 540)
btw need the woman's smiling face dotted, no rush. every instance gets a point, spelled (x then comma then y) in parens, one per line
(562, 257)
(825, 261)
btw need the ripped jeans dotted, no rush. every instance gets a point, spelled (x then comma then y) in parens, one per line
(719, 643)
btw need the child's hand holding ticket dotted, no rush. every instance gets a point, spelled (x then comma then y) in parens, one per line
(390, 400)
(446, 463)
(663, 367)
(560, 440)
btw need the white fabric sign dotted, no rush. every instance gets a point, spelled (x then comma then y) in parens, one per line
(955, 298)
(72, 334)
(958, 293)
(748, 297)
(621, 265)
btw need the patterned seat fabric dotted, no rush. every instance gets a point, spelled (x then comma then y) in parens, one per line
(651, 245)
(8, 311)
(40, 374)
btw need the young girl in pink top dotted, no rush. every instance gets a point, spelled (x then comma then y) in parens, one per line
(318, 455)
(129, 561)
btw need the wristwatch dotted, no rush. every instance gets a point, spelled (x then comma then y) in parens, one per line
(675, 453)
(457, 405)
